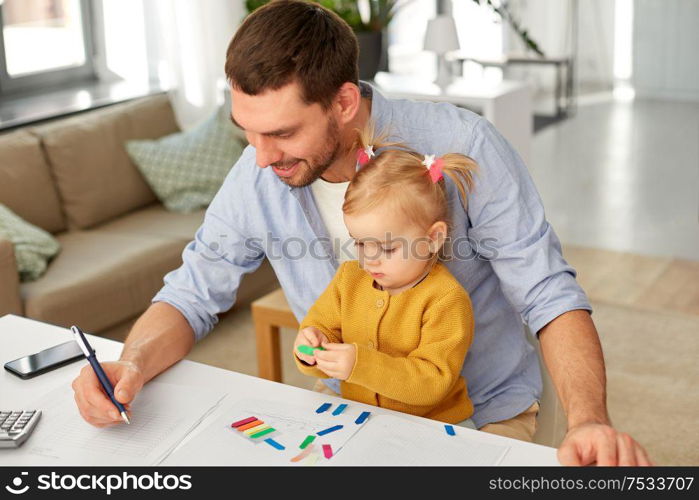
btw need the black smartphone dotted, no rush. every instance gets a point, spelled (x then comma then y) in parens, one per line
(46, 360)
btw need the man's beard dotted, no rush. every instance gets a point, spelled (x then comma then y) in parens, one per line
(310, 170)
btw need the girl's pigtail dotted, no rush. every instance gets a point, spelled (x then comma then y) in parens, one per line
(461, 169)
(369, 141)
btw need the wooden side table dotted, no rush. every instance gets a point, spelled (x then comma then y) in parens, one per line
(269, 313)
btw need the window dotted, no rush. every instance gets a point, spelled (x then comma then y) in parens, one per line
(44, 43)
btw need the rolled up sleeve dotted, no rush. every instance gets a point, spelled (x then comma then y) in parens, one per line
(509, 226)
(214, 263)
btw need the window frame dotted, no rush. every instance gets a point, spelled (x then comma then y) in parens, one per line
(55, 78)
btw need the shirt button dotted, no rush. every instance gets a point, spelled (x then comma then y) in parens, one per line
(370, 345)
(379, 303)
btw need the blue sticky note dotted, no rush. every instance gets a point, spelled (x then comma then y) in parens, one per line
(330, 429)
(450, 430)
(339, 409)
(274, 444)
(323, 407)
(361, 418)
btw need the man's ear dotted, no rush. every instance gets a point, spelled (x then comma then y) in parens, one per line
(346, 102)
(438, 235)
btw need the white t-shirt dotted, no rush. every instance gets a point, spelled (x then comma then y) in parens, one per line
(329, 197)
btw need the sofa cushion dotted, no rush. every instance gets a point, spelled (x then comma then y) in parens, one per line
(95, 177)
(26, 186)
(100, 278)
(10, 300)
(187, 169)
(155, 220)
(33, 247)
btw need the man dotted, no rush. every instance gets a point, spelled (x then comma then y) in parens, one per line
(293, 71)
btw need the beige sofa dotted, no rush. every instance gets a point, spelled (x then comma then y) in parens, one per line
(73, 178)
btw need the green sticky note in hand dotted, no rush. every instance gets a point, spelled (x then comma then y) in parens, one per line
(306, 349)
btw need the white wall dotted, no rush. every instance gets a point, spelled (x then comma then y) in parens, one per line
(666, 49)
(549, 23)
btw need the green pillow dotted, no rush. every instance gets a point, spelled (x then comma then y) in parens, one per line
(34, 247)
(185, 170)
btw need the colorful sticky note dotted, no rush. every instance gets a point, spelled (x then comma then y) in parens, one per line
(339, 409)
(262, 433)
(250, 425)
(361, 418)
(450, 430)
(243, 422)
(329, 430)
(256, 429)
(302, 455)
(307, 349)
(309, 439)
(323, 407)
(327, 451)
(274, 444)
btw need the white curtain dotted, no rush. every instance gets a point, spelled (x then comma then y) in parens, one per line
(186, 44)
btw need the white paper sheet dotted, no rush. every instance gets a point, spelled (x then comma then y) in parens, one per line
(219, 444)
(391, 440)
(161, 416)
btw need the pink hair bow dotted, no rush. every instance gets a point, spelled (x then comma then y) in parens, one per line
(434, 166)
(364, 155)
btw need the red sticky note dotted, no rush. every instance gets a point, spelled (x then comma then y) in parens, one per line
(243, 422)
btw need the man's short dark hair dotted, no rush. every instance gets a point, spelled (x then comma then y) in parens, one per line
(287, 40)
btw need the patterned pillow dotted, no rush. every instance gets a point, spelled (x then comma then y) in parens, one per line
(34, 247)
(185, 170)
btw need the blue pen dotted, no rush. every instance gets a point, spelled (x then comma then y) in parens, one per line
(106, 384)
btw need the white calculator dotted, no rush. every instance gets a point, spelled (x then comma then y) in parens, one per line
(16, 426)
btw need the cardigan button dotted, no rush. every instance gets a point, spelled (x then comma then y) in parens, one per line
(370, 345)
(379, 303)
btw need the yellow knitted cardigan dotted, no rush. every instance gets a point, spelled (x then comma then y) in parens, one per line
(410, 346)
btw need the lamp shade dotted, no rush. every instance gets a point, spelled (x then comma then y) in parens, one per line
(440, 36)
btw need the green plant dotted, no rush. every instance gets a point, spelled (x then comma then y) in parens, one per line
(381, 12)
(503, 10)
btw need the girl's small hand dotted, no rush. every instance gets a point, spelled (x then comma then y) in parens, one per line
(337, 361)
(308, 336)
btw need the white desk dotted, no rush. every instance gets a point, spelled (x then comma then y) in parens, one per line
(20, 336)
(507, 105)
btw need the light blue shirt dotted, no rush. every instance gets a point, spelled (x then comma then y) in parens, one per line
(507, 256)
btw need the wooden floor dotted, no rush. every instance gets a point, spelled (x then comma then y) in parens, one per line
(649, 283)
